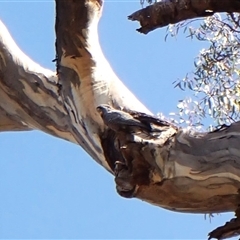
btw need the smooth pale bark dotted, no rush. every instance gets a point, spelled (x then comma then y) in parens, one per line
(164, 12)
(172, 168)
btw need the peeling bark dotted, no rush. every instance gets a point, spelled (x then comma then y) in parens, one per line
(165, 12)
(85, 76)
(167, 166)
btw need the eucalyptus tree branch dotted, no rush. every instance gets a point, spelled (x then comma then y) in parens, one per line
(85, 76)
(166, 12)
(63, 104)
(28, 92)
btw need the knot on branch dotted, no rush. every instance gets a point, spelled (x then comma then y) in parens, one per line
(125, 143)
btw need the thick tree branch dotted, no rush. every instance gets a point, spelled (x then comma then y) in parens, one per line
(63, 105)
(28, 93)
(86, 77)
(166, 12)
(178, 170)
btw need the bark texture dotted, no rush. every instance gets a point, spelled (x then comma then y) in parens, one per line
(85, 77)
(151, 159)
(165, 12)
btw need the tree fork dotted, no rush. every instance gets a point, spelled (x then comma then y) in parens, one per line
(174, 168)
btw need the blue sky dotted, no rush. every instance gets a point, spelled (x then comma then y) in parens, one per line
(51, 188)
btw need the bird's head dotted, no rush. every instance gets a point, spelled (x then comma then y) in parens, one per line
(103, 108)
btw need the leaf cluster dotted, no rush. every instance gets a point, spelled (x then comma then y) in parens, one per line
(215, 81)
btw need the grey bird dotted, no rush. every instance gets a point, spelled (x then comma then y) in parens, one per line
(122, 121)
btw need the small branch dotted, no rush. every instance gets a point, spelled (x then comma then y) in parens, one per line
(166, 12)
(229, 230)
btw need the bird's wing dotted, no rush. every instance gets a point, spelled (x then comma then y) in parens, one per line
(115, 115)
(127, 121)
